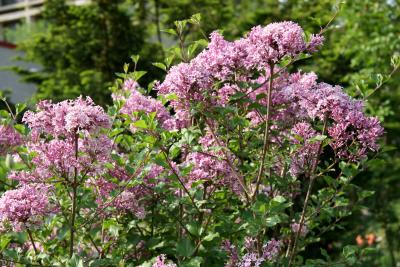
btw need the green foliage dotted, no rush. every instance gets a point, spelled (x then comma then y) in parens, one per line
(78, 59)
(82, 47)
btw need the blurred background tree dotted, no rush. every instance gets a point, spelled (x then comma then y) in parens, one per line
(82, 47)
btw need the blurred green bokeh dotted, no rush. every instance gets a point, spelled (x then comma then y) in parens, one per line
(82, 47)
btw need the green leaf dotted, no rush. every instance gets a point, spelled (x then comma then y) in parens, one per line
(319, 137)
(195, 262)
(126, 67)
(138, 74)
(279, 199)
(4, 242)
(140, 124)
(185, 247)
(75, 262)
(160, 65)
(272, 221)
(170, 31)
(195, 19)
(135, 58)
(211, 236)
(193, 228)
(19, 108)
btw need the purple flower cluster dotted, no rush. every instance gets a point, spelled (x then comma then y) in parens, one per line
(299, 102)
(136, 102)
(296, 226)
(211, 164)
(305, 155)
(270, 251)
(161, 262)
(129, 199)
(348, 126)
(225, 61)
(9, 138)
(65, 142)
(24, 207)
(67, 117)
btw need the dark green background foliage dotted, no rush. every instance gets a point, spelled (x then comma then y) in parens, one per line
(83, 47)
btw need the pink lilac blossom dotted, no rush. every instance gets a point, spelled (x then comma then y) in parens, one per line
(67, 117)
(57, 157)
(270, 252)
(251, 260)
(296, 226)
(23, 207)
(273, 42)
(305, 155)
(272, 249)
(315, 42)
(127, 199)
(26, 177)
(349, 126)
(161, 261)
(136, 102)
(222, 60)
(211, 164)
(130, 85)
(298, 99)
(9, 138)
(232, 252)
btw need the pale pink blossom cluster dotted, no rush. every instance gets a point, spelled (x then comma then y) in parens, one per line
(65, 142)
(24, 207)
(211, 164)
(9, 138)
(304, 156)
(348, 126)
(67, 117)
(161, 261)
(225, 61)
(296, 227)
(270, 251)
(298, 101)
(135, 103)
(129, 198)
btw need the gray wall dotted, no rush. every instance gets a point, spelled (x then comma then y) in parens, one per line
(20, 91)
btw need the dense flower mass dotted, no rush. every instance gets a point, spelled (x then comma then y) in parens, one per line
(273, 42)
(161, 261)
(23, 207)
(136, 102)
(232, 61)
(270, 250)
(67, 117)
(212, 164)
(298, 100)
(230, 148)
(8, 138)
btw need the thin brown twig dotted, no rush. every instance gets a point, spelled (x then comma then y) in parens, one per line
(312, 178)
(116, 195)
(266, 132)
(33, 244)
(238, 178)
(179, 179)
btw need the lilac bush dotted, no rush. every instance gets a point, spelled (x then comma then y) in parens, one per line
(239, 161)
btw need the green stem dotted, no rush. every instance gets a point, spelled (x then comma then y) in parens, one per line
(266, 132)
(74, 193)
(312, 178)
(33, 244)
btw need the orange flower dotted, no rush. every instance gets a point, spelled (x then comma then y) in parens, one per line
(360, 240)
(371, 238)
